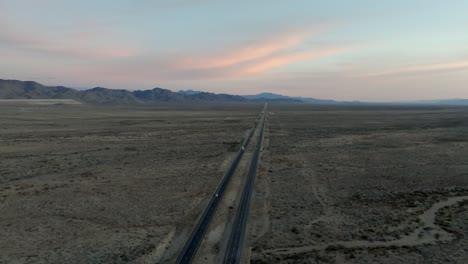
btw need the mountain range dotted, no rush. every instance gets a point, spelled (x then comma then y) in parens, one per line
(14, 89)
(272, 96)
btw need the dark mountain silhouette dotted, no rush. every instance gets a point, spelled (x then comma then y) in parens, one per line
(188, 92)
(205, 96)
(277, 97)
(217, 97)
(14, 89)
(274, 97)
(159, 95)
(99, 95)
(267, 96)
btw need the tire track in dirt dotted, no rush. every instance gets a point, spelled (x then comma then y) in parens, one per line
(428, 233)
(319, 189)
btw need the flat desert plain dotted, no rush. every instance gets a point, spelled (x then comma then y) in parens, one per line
(85, 184)
(363, 185)
(88, 184)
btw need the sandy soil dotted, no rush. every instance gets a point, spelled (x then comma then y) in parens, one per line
(366, 186)
(82, 184)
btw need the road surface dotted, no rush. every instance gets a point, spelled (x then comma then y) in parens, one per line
(233, 253)
(195, 239)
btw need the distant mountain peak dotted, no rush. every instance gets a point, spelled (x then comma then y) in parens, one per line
(267, 96)
(189, 92)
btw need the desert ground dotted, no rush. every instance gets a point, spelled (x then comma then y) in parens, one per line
(89, 184)
(85, 184)
(363, 185)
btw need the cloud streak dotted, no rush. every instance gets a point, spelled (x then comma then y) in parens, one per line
(276, 61)
(252, 59)
(81, 45)
(98, 56)
(245, 54)
(249, 60)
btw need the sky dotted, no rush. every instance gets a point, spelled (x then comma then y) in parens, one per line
(371, 50)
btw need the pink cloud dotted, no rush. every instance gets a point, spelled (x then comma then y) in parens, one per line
(118, 63)
(247, 53)
(160, 69)
(276, 61)
(250, 59)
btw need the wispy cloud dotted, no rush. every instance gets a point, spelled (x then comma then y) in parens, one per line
(85, 45)
(105, 56)
(246, 53)
(276, 61)
(255, 57)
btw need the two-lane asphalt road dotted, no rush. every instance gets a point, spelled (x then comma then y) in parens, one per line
(195, 239)
(233, 253)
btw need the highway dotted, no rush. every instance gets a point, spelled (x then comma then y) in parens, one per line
(195, 239)
(233, 253)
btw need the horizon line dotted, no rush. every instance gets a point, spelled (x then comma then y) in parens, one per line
(291, 96)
